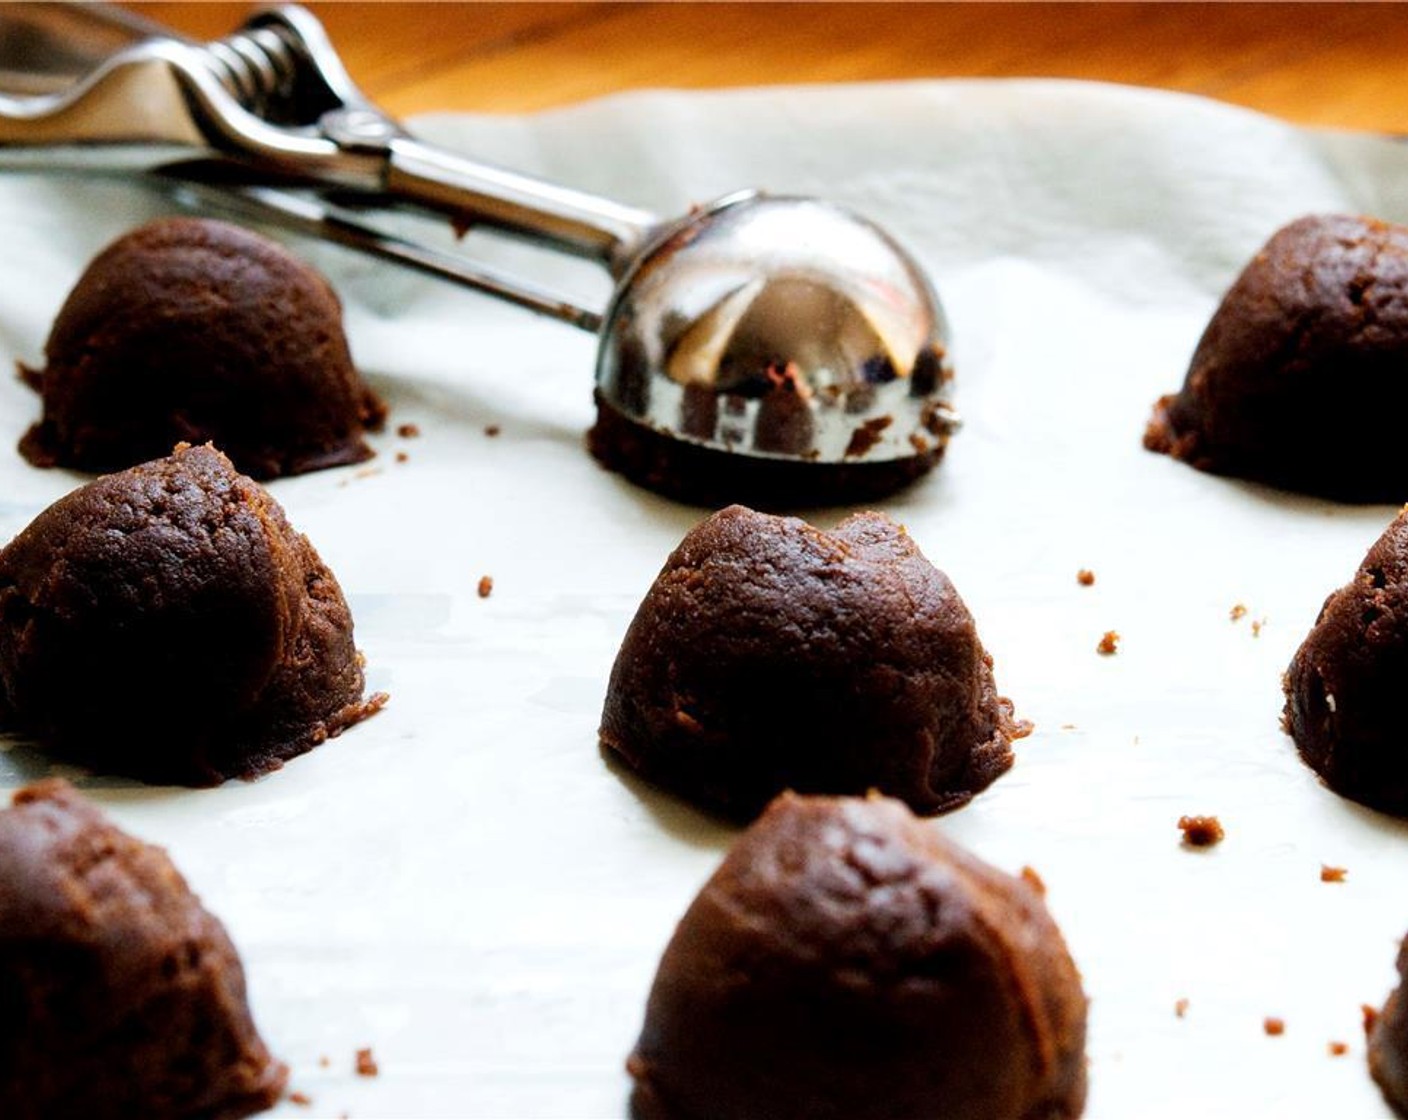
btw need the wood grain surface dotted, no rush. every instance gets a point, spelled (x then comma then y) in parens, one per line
(1344, 65)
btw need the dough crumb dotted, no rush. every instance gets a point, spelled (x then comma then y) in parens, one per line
(1201, 832)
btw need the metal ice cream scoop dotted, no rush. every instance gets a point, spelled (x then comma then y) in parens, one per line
(785, 330)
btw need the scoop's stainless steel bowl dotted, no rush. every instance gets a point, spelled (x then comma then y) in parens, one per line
(779, 327)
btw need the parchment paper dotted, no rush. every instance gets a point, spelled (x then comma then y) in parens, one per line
(464, 885)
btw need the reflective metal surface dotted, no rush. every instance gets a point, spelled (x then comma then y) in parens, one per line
(782, 327)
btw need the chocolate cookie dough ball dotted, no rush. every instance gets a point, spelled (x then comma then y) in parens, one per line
(191, 329)
(167, 622)
(1388, 1043)
(1302, 374)
(704, 476)
(846, 960)
(1344, 689)
(769, 655)
(120, 996)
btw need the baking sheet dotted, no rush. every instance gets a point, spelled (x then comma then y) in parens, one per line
(465, 886)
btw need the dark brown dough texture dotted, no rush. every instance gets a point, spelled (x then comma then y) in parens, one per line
(846, 962)
(168, 623)
(120, 996)
(1302, 373)
(1388, 1043)
(188, 329)
(1344, 688)
(770, 655)
(704, 476)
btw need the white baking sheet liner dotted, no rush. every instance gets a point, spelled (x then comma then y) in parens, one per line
(465, 886)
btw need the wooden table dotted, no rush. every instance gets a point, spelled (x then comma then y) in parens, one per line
(1329, 64)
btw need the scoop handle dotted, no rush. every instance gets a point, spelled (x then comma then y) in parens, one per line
(47, 47)
(559, 217)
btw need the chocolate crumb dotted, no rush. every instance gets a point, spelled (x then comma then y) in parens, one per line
(1338, 1049)
(300, 1098)
(1257, 624)
(1201, 832)
(1371, 1016)
(486, 586)
(1330, 874)
(1180, 1008)
(1085, 577)
(1238, 612)
(1033, 880)
(491, 430)
(408, 431)
(1273, 1026)
(867, 436)
(324, 1061)
(366, 1064)
(1109, 643)
(401, 456)
(372, 704)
